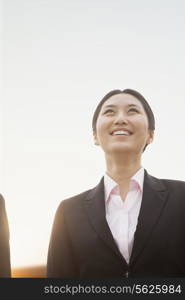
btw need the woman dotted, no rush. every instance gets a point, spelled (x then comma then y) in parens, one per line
(130, 224)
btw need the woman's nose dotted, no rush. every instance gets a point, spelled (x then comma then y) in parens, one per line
(121, 119)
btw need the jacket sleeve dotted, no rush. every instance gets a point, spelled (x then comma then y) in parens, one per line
(60, 261)
(5, 268)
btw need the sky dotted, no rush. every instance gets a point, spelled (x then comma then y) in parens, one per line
(59, 58)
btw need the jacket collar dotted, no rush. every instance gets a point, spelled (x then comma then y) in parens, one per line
(153, 202)
(95, 206)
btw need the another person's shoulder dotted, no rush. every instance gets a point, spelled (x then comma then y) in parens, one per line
(2, 201)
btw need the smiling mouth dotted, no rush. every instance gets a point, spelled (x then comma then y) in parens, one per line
(121, 132)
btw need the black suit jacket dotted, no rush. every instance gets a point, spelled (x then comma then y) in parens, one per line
(82, 246)
(5, 270)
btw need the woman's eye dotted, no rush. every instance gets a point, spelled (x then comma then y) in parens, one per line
(133, 110)
(108, 111)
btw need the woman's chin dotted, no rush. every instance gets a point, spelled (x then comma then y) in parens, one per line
(120, 149)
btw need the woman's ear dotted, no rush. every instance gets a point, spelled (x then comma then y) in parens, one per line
(95, 138)
(151, 137)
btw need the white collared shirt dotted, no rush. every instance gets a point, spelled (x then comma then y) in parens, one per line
(122, 216)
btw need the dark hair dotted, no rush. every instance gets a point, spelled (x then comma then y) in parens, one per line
(146, 106)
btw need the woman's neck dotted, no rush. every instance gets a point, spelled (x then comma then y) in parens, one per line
(121, 169)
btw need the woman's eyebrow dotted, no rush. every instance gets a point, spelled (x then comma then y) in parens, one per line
(135, 105)
(109, 105)
(112, 105)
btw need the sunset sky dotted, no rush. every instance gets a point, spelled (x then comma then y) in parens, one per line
(59, 59)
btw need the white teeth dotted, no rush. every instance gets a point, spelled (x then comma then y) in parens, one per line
(121, 132)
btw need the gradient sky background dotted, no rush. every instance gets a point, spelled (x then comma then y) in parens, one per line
(59, 59)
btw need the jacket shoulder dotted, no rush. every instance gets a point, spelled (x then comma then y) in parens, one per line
(74, 201)
(170, 184)
(176, 187)
(173, 183)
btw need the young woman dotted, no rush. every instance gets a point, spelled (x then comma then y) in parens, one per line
(130, 224)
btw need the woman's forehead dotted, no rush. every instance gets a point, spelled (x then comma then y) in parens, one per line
(122, 100)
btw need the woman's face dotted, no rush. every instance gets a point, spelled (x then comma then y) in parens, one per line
(122, 125)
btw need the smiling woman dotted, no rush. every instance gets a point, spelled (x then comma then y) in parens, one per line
(117, 122)
(124, 225)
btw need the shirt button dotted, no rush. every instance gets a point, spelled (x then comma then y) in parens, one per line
(126, 274)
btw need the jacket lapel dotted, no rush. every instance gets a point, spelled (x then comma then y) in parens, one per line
(95, 206)
(153, 202)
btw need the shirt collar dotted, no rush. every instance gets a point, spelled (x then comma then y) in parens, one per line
(110, 184)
